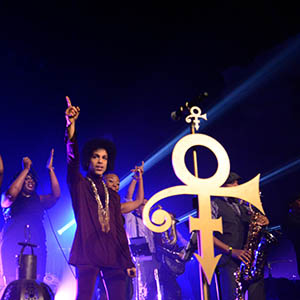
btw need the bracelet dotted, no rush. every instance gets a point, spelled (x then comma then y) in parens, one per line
(230, 250)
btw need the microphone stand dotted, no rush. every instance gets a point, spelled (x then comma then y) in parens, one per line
(204, 287)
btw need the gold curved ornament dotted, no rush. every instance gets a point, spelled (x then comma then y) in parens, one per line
(195, 115)
(204, 189)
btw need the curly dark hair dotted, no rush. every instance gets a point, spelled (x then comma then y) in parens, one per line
(92, 145)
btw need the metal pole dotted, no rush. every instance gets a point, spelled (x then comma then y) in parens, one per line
(204, 287)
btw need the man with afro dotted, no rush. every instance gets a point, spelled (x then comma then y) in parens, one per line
(100, 244)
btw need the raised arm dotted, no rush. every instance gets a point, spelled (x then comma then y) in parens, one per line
(73, 170)
(134, 180)
(15, 188)
(72, 114)
(131, 189)
(50, 199)
(132, 205)
(1, 170)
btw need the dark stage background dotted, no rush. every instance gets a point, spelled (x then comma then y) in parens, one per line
(128, 67)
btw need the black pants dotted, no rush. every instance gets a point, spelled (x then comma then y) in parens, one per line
(115, 282)
(171, 288)
(100, 292)
(256, 291)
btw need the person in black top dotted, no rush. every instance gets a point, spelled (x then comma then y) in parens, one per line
(23, 211)
(169, 255)
(235, 219)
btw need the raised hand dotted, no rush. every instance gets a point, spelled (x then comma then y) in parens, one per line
(1, 170)
(72, 112)
(138, 171)
(262, 220)
(141, 168)
(27, 163)
(50, 160)
(1, 165)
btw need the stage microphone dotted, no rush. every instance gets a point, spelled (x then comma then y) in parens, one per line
(183, 110)
(177, 114)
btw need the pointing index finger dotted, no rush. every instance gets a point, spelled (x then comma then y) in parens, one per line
(68, 101)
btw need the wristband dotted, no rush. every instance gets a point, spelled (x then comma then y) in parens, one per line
(230, 250)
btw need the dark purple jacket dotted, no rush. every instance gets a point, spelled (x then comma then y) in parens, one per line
(91, 246)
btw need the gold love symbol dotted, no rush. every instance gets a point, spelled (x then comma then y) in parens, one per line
(204, 188)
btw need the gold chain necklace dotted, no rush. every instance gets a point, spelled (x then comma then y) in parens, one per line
(103, 213)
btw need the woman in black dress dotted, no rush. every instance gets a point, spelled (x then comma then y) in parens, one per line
(23, 211)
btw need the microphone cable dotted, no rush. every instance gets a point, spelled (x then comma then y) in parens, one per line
(59, 245)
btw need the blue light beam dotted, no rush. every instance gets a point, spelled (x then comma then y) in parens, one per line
(66, 227)
(260, 77)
